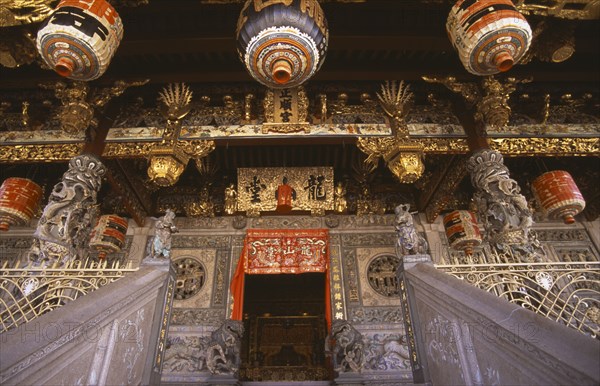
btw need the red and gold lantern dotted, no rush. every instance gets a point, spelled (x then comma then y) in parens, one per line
(19, 199)
(108, 236)
(558, 195)
(489, 35)
(462, 230)
(80, 37)
(282, 43)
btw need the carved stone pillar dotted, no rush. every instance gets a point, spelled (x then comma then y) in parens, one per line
(502, 209)
(68, 218)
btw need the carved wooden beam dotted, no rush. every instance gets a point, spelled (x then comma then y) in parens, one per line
(127, 183)
(442, 186)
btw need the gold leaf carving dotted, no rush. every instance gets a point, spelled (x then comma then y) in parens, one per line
(127, 149)
(37, 153)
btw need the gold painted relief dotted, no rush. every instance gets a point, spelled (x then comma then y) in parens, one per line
(313, 187)
(259, 5)
(40, 153)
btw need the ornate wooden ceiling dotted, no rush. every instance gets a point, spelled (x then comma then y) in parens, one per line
(551, 108)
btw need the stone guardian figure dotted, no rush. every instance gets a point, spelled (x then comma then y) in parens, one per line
(346, 344)
(223, 355)
(409, 241)
(164, 227)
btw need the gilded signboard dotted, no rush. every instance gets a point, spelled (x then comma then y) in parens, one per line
(311, 187)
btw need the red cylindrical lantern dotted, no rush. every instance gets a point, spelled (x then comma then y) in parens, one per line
(462, 230)
(19, 199)
(558, 195)
(108, 236)
(489, 35)
(80, 38)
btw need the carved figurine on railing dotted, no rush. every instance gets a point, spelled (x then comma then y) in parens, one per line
(223, 354)
(409, 241)
(68, 218)
(164, 227)
(502, 208)
(348, 347)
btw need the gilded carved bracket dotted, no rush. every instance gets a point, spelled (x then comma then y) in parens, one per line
(402, 155)
(80, 102)
(489, 98)
(169, 157)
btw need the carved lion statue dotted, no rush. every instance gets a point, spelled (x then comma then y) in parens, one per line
(224, 348)
(348, 347)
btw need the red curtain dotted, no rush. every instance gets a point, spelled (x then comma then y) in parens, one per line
(268, 251)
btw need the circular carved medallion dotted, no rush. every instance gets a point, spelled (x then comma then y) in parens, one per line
(382, 275)
(190, 276)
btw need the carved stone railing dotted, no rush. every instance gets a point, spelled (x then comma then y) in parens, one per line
(464, 335)
(30, 291)
(115, 335)
(568, 293)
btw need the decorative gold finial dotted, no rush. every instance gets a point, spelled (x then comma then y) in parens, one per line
(394, 99)
(176, 98)
(402, 155)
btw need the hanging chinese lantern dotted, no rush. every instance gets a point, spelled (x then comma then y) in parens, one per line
(108, 236)
(489, 35)
(80, 37)
(19, 199)
(282, 43)
(558, 195)
(462, 230)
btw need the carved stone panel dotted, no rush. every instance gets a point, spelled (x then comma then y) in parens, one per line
(202, 257)
(381, 273)
(13, 248)
(386, 352)
(371, 296)
(133, 338)
(190, 277)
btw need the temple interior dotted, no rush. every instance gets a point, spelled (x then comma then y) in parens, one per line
(312, 175)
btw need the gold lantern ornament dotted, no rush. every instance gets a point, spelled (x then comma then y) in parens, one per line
(19, 199)
(558, 195)
(167, 159)
(166, 165)
(405, 162)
